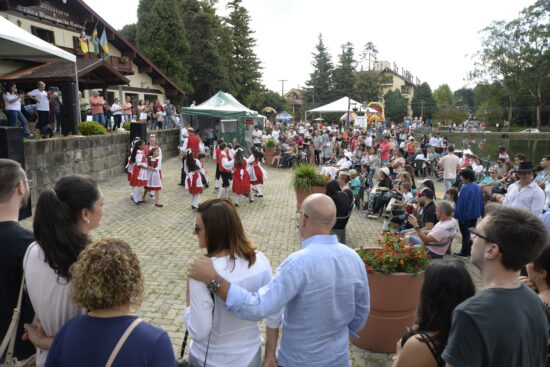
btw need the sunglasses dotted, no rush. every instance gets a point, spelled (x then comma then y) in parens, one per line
(196, 229)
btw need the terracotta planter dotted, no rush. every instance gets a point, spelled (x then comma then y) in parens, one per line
(301, 195)
(268, 155)
(394, 299)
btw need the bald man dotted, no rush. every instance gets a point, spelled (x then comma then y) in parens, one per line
(322, 288)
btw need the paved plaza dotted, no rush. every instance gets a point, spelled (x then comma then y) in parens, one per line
(164, 240)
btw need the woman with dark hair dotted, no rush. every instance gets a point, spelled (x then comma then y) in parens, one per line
(241, 178)
(12, 107)
(106, 280)
(428, 184)
(446, 285)
(139, 171)
(342, 202)
(219, 337)
(64, 216)
(384, 185)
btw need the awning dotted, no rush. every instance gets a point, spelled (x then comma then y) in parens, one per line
(92, 73)
(16, 43)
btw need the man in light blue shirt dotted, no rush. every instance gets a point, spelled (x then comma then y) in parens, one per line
(323, 289)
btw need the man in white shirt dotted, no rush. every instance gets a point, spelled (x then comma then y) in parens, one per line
(43, 104)
(368, 141)
(276, 133)
(525, 193)
(450, 165)
(257, 137)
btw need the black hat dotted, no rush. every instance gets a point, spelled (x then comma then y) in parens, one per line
(525, 167)
(427, 193)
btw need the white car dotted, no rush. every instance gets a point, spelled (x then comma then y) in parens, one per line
(530, 131)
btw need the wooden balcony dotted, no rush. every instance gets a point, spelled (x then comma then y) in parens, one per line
(122, 64)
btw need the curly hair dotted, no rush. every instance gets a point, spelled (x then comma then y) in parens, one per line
(106, 275)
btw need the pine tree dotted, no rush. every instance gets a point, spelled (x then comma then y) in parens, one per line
(245, 68)
(344, 73)
(161, 37)
(395, 106)
(320, 80)
(129, 32)
(423, 103)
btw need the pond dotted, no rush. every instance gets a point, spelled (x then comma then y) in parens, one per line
(487, 147)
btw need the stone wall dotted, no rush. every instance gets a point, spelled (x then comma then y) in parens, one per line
(99, 156)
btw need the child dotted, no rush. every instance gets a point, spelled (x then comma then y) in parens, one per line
(201, 157)
(154, 179)
(452, 196)
(241, 179)
(255, 171)
(355, 186)
(225, 166)
(193, 180)
(139, 171)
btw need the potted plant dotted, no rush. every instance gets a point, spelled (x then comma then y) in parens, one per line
(269, 150)
(307, 181)
(124, 59)
(395, 273)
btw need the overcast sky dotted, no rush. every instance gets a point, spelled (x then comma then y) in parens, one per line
(433, 39)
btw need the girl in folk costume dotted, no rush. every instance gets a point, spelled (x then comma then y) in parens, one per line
(241, 179)
(225, 166)
(130, 165)
(201, 157)
(217, 157)
(154, 179)
(256, 172)
(152, 143)
(139, 171)
(193, 179)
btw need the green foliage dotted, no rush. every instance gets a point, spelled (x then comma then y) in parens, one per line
(273, 99)
(320, 81)
(490, 111)
(450, 114)
(443, 96)
(306, 176)
(129, 32)
(423, 103)
(162, 38)
(369, 54)
(343, 78)
(367, 87)
(126, 126)
(270, 143)
(464, 97)
(395, 106)
(91, 128)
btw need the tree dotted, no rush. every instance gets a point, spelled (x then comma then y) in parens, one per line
(423, 103)
(443, 96)
(129, 32)
(273, 99)
(161, 37)
(395, 106)
(370, 52)
(464, 97)
(344, 73)
(245, 66)
(320, 80)
(367, 87)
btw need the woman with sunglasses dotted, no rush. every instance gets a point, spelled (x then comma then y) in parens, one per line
(220, 338)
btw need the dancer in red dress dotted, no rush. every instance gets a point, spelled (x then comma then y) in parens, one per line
(193, 179)
(256, 172)
(241, 179)
(139, 171)
(154, 177)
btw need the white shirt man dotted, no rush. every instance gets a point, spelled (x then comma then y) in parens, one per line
(257, 137)
(525, 193)
(368, 141)
(276, 133)
(41, 96)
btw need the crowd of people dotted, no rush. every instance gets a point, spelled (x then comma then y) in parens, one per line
(79, 298)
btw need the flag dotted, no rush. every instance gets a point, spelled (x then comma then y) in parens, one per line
(94, 41)
(104, 43)
(83, 42)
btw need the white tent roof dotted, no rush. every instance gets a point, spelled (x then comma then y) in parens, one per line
(16, 43)
(340, 105)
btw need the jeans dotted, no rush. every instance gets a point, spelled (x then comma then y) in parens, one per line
(370, 177)
(13, 116)
(418, 242)
(99, 117)
(255, 362)
(464, 231)
(384, 162)
(169, 122)
(127, 118)
(448, 183)
(58, 121)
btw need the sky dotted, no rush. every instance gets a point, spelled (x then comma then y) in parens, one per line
(433, 39)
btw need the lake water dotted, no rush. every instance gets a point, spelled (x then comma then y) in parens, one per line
(487, 147)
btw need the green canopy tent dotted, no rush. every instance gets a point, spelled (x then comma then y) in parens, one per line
(227, 115)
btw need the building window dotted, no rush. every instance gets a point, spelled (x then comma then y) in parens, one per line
(43, 34)
(404, 90)
(150, 97)
(386, 79)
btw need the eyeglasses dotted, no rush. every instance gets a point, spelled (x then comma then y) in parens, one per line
(474, 234)
(196, 229)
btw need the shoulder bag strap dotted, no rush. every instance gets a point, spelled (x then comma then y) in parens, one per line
(11, 333)
(121, 341)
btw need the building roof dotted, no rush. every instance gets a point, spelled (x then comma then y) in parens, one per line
(114, 38)
(388, 70)
(92, 73)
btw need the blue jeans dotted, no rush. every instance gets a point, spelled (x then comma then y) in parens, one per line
(58, 121)
(99, 117)
(13, 116)
(255, 362)
(384, 162)
(418, 242)
(370, 177)
(448, 183)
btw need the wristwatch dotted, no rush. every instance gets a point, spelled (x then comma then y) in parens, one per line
(417, 228)
(214, 284)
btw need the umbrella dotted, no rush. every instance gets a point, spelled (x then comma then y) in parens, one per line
(319, 119)
(352, 116)
(269, 110)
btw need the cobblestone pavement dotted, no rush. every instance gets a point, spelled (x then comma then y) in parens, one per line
(165, 244)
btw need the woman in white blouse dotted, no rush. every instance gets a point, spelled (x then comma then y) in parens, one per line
(228, 340)
(64, 216)
(12, 108)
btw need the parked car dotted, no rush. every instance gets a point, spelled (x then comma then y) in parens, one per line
(530, 131)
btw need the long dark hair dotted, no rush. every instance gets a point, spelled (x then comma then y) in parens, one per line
(446, 284)
(56, 220)
(332, 188)
(190, 162)
(224, 230)
(429, 184)
(135, 149)
(257, 153)
(239, 157)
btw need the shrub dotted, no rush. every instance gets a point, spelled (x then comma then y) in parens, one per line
(306, 176)
(91, 128)
(270, 143)
(126, 126)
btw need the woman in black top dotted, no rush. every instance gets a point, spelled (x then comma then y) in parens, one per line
(446, 285)
(341, 201)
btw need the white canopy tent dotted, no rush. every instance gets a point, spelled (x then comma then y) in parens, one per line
(344, 104)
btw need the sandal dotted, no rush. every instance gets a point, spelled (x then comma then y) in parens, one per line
(159, 205)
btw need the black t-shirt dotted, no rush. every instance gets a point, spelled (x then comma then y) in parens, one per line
(499, 328)
(14, 241)
(342, 203)
(428, 214)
